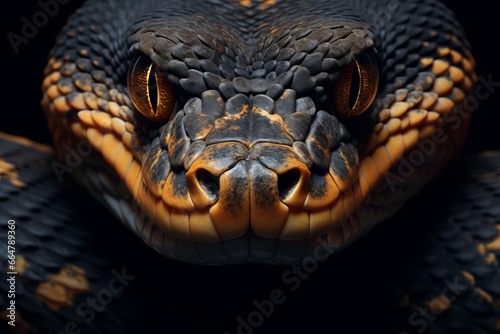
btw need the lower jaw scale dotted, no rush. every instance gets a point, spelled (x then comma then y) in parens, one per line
(249, 248)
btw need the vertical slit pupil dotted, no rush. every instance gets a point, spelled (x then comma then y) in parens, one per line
(354, 90)
(153, 89)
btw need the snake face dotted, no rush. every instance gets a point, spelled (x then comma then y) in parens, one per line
(257, 131)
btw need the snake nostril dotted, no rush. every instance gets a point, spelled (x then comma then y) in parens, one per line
(209, 183)
(287, 182)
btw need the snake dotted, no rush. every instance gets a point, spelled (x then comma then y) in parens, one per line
(259, 132)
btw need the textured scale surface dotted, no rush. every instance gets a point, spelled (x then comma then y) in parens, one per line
(60, 262)
(438, 276)
(254, 164)
(253, 149)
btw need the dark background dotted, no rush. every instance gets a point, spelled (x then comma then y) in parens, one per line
(213, 298)
(22, 72)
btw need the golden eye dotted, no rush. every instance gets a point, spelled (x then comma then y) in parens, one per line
(356, 86)
(150, 90)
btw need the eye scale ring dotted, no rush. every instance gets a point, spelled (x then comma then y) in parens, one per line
(150, 90)
(356, 87)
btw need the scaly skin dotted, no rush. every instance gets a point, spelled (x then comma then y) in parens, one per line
(250, 158)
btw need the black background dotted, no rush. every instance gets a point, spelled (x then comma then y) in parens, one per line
(234, 289)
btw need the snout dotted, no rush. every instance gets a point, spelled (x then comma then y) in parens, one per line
(251, 190)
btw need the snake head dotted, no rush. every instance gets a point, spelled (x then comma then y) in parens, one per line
(260, 143)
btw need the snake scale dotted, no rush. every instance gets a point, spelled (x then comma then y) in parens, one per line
(253, 132)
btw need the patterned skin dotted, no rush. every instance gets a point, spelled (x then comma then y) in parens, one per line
(253, 135)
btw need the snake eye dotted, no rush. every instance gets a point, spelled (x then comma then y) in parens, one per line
(356, 86)
(150, 90)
